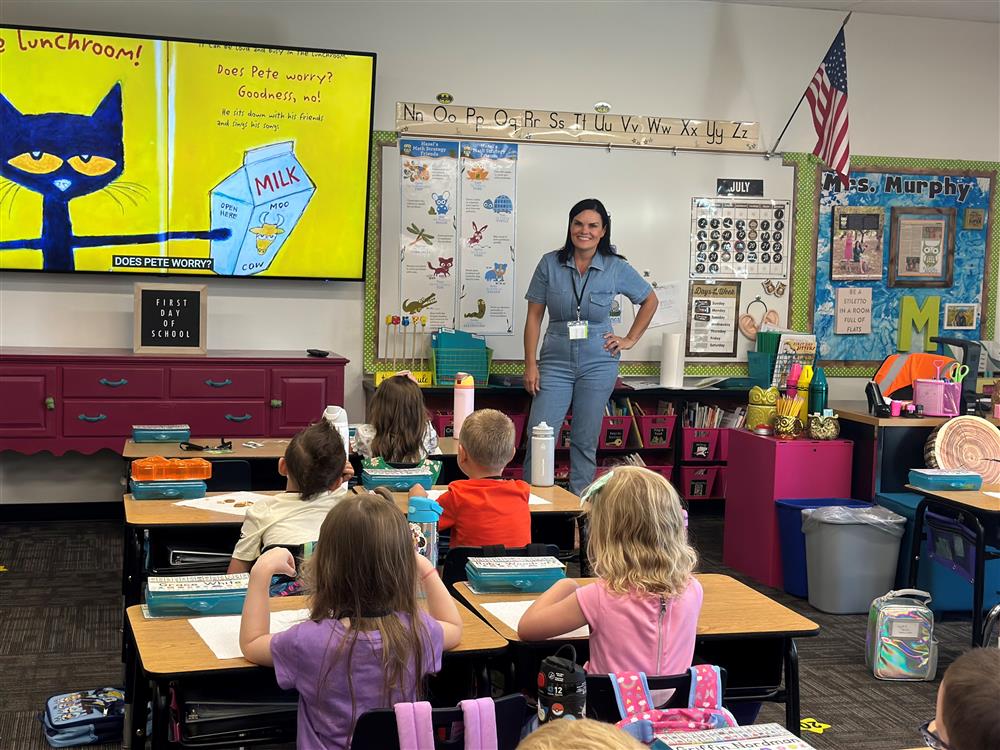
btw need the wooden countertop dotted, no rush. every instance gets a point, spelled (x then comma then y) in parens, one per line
(857, 411)
(730, 608)
(977, 500)
(270, 448)
(169, 645)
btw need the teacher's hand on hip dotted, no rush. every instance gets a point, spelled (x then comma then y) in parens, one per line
(616, 344)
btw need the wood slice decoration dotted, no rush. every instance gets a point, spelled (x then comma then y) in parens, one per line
(969, 443)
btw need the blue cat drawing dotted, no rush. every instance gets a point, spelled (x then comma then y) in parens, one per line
(61, 157)
(496, 274)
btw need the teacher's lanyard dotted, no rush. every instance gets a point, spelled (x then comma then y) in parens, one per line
(579, 295)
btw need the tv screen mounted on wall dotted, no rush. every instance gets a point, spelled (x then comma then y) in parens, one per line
(134, 154)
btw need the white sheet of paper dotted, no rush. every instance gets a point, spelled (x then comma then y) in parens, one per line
(667, 313)
(222, 634)
(536, 500)
(234, 503)
(510, 613)
(993, 494)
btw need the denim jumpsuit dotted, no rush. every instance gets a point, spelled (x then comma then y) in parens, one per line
(581, 372)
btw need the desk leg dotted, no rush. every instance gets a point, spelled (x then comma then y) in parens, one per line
(978, 581)
(158, 733)
(793, 713)
(918, 533)
(137, 695)
(581, 524)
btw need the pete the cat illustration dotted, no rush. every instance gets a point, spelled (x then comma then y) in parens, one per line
(496, 274)
(63, 156)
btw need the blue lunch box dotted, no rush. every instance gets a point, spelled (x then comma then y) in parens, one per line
(945, 479)
(168, 489)
(184, 596)
(161, 433)
(512, 575)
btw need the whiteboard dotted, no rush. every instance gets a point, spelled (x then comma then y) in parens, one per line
(648, 194)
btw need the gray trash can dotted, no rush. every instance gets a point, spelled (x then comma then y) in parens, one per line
(851, 556)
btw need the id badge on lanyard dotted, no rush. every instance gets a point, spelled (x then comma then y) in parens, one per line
(578, 328)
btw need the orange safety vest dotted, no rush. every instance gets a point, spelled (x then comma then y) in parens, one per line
(899, 371)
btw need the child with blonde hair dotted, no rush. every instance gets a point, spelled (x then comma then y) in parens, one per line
(367, 643)
(581, 734)
(643, 612)
(400, 431)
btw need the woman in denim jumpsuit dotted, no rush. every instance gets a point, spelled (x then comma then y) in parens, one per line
(578, 283)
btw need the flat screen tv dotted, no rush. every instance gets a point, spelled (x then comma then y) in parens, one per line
(134, 154)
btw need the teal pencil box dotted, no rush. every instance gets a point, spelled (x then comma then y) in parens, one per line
(161, 433)
(167, 489)
(375, 472)
(186, 596)
(945, 479)
(512, 575)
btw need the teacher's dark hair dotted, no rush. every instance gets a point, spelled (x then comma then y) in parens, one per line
(604, 246)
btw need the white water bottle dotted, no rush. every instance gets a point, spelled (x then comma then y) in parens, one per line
(543, 455)
(465, 397)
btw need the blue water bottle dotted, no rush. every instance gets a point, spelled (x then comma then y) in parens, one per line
(423, 514)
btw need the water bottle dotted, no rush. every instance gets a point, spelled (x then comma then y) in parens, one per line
(337, 418)
(818, 391)
(562, 687)
(543, 455)
(465, 397)
(423, 514)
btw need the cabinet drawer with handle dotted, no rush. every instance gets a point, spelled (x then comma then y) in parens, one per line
(92, 418)
(112, 382)
(223, 418)
(217, 382)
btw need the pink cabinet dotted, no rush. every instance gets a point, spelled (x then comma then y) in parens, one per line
(88, 399)
(762, 470)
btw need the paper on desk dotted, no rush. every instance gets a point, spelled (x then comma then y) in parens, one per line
(993, 494)
(532, 500)
(235, 503)
(510, 613)
(222, 634)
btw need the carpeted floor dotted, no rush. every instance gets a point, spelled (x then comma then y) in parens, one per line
(60, 599)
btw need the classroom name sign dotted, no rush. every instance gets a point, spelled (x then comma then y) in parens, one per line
(548, 126)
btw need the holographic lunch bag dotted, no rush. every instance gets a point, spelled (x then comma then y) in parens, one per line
(900, 643)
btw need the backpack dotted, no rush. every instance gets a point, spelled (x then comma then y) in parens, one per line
(413, 723)
(641, 720)
(86, 717)
(900, 643)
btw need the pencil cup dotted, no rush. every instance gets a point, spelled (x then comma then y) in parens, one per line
(787, 427)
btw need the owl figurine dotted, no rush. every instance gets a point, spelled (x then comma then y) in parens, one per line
(762, 408)
(823, 428)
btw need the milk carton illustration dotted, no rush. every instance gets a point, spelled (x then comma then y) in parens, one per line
(260, 203)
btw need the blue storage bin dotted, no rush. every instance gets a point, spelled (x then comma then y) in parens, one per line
(161, 433)
(944, 479)
(793, 541)
(513, 575)
(185, 596)
(168, 489)
(950, 590)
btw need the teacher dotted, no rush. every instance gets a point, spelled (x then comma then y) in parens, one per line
(578, 365)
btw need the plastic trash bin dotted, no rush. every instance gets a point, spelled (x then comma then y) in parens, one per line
(793, 541)
(851, 556)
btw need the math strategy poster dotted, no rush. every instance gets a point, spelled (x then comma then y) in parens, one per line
(140, 155)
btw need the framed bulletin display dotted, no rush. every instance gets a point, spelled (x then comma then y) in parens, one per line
(921, 246)
(170, 319)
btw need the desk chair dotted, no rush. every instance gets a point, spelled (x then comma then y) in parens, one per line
(457, 557)
(991, 627)
(229, 475)
(603, 706)
(376, 730)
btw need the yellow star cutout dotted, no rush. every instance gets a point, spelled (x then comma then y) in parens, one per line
(813, 725)
(3, 568)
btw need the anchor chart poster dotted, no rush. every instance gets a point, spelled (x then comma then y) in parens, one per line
(125, 154)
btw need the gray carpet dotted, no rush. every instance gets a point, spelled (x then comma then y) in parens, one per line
(60, 600)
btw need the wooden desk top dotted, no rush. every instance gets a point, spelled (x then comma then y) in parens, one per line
(272, 448)
(857, 411)
(169, 645)
(978, 500)
(167, 513)
(730, 608)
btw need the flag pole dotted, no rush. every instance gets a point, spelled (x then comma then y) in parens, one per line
(774, 149)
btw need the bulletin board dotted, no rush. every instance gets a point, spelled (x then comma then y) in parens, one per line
(649, 195)
(959, 265)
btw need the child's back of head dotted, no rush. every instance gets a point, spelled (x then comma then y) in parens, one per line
(579, 734)
(487, 438)
(638, 542)
(399, 417)
(315, 459)
(968, 703)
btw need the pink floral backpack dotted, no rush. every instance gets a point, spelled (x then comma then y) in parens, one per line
(641, 720)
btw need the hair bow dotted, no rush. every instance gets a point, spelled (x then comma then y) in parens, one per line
(595, 487)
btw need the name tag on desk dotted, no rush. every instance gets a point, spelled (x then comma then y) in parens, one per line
(577, 329)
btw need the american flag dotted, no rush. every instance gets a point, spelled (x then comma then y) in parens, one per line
(827, 95)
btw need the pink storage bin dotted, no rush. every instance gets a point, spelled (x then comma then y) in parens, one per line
(698, 482)
(940, 398)
(614, 432)
(519, 421)
(664, 470)
(513, 472)
(700, 443)
(721, 482)
(561, 470)
(724, 443)
(563, 439)
(656, 430)
(444, 423)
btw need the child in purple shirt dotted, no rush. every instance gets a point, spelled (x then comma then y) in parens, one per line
(367, 644)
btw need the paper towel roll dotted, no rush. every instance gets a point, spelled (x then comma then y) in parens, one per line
(672, 360)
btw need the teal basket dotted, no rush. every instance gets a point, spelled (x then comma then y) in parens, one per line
(447, 362)
(760, 367)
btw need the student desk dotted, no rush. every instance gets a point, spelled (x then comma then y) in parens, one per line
(273, 448)
(560, 500)
(977, 510)
(885, 448)
(732, 613)
(169, 649)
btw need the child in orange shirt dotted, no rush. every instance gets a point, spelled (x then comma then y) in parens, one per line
(485, 509)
